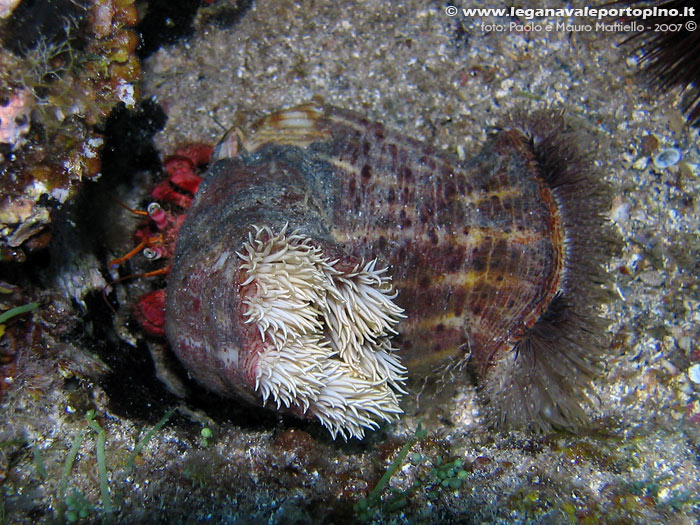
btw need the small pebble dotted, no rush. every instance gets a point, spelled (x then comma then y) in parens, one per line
(684, 343)
(649, 144)
(641, 163)
(686, 170)
(620, 210)
(652, 278)
(667, 158)
(694, 373)
(669, 367)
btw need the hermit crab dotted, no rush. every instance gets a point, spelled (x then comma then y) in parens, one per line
(156, 239)
(323, 259)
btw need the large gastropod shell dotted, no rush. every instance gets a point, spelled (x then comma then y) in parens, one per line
(331, 258)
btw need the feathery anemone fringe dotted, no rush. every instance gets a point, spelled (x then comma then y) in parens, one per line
(325, 333)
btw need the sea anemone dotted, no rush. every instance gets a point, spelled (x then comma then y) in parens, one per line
(324, 332)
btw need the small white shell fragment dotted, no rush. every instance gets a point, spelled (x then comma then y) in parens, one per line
(641, 164)
(694, 373)
(620, 210)
(667, 158)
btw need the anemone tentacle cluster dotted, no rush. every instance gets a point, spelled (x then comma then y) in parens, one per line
(325, 333)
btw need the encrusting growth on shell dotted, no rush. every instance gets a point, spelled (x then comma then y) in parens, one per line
(325, 332)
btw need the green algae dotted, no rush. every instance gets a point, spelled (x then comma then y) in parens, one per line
(147, 437)
(101, 464)
(17, 310)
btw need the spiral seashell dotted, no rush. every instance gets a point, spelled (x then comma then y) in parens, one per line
(325, 259)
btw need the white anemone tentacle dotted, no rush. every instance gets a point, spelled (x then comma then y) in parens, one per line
(326, 331)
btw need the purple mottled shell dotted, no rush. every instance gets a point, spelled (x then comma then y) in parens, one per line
(492, 259)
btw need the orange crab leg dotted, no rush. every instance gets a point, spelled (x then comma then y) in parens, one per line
(119, 260)
(153, 273)
(132, 210)
(150, 241)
